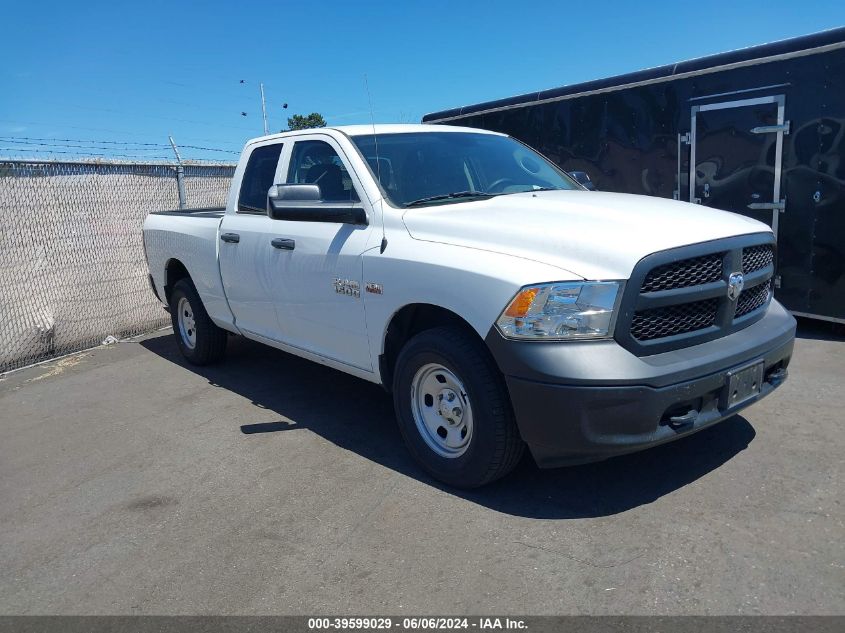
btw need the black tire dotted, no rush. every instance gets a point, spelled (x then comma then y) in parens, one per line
(494, 447)
(210, 340)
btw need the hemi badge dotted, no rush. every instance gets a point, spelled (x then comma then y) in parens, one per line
(376, 289)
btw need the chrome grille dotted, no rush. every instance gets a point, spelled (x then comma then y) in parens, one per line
(756, 257)
(679, 319)
(751, 299)
(685, 273)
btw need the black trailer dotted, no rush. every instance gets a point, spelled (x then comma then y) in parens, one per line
(763, 128)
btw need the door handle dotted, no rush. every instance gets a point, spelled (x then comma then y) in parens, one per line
(233, 238)
(283, 243)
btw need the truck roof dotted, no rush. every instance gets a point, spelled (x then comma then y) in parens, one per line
(380, 128)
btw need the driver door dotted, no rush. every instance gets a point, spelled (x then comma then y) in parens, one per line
(318, 274)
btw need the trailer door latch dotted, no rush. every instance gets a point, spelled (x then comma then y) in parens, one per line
(780, 206)
(768, 129)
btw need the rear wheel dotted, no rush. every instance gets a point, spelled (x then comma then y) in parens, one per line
(453, 409)
(200, 341)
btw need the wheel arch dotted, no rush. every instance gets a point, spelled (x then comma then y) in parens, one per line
(407, 322)
(174, 270)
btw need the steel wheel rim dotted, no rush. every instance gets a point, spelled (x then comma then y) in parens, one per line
(187, 324)
(442, 411)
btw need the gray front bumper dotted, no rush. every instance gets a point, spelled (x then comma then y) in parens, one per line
(586, 401)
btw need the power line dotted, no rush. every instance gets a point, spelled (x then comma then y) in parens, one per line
(210, 149)
(147, 116)
(112, 131)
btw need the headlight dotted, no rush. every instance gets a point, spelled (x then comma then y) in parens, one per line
(562, 311)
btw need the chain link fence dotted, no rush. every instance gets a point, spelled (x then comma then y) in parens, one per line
(72, 270)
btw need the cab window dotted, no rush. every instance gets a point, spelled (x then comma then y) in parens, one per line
(316, 162)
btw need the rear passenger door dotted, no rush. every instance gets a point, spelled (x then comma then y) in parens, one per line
(245, 254)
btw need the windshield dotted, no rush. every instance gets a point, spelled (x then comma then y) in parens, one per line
(442, 167)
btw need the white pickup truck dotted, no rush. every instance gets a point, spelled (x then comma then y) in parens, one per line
(500, 302)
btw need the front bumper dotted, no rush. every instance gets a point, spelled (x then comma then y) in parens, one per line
(586, 401)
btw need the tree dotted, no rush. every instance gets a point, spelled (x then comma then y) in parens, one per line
(304, 122)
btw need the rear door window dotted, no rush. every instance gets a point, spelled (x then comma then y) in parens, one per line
(258, 178)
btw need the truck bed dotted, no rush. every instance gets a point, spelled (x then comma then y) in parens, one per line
(189, 237)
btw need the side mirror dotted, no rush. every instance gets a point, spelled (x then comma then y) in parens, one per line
(295, 193)
(583, 179)
(304, 203)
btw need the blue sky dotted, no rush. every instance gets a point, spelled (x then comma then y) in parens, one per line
(115, 74)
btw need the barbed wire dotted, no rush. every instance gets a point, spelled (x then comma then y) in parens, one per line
(17, 154)
(76, 140)
(78, 153)
(103, 144)
(27, 144)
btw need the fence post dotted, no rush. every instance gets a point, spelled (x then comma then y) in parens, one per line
(180, 174)
(180, 184)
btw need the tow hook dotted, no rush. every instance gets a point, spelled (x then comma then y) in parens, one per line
(687, 419)
(777, 377)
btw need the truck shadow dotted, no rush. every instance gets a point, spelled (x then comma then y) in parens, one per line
(358, 416)
(817, 330)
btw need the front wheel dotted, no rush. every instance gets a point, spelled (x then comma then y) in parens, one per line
(200, 341)
(453, 409)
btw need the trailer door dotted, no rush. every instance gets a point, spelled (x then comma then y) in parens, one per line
(737, 150)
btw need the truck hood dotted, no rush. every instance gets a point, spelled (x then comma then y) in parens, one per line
(595, 235)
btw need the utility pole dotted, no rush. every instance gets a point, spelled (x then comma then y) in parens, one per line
(263, 106)
(264, 109)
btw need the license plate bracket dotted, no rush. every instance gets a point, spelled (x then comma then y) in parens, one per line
(742, 384)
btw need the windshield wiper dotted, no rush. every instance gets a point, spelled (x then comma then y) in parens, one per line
(511, 193)
(449, 196)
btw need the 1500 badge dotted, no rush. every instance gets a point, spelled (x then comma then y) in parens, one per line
(347, 287)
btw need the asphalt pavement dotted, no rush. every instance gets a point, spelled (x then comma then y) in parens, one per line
(132, 483)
